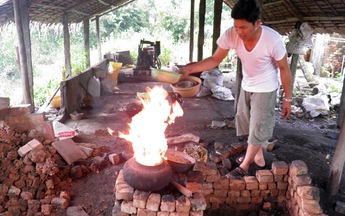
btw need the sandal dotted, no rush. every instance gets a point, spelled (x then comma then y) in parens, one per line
(257, 167)
(237, 173)
(240, 158)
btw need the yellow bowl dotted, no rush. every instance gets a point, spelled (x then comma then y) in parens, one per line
(184, 90)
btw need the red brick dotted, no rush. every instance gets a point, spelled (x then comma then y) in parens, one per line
(153, 202)
(213, 178)
(264, 176)
(220, 193)
(140, 198)
(207, 188)
(257, 200)
(311, 206)
(196, 213)
(271, 185)
(308, 192)
(183, 204)
(232, 150)
(251, 183)
(245, 193)
(274, 192)
(194, 186)
(215, 157)
(145, 212)
(223, 152)
(278, 178)
(195, 176)
(217, 200)
(168, 203)
(212, 168)
(223, 184)
(255, 193)
(282, 185)
(198, 202)
(262, 186)
(265, 193)
(231, 200)
(19, 110)
(243, 199)
(163, 213)
(279, 168)
(178, 214)
(281, 198)
(267, 206)
(233, 193)
(282, 193)
(127, 207)
(298, 167)
(237, 184)
(200, 166)
(238, 146)
(301, 180)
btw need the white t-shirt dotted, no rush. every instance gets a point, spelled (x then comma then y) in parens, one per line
(259, 67)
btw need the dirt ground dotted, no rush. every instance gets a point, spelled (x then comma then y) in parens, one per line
(304, 139)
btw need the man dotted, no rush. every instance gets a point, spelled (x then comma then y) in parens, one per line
(263, 54)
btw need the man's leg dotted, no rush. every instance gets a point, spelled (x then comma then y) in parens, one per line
(254, 153)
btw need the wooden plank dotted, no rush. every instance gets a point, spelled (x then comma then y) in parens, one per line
(68, 150)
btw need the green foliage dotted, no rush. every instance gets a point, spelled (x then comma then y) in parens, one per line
(43, 92)
(8, 65)
(166, 21)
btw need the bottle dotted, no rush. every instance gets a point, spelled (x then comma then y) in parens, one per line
(63, 73)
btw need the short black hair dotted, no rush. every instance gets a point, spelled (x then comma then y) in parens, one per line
(248, 10)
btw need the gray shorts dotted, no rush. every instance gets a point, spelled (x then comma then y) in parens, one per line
(255, 116)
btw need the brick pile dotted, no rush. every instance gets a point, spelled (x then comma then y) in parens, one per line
(34, 178)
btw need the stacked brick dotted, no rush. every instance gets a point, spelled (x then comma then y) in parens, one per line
(302, 197)
(284, 188)
(21, 118)
(252, 193)
(130, 201)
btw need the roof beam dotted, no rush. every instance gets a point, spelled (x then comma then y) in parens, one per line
(294, 19)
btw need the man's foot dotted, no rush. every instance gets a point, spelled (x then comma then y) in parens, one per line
(237, 173)
(240, 159)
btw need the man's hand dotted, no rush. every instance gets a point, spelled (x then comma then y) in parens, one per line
(286, 110)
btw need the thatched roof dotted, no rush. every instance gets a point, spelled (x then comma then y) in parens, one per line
(324, 16)
(52, 11)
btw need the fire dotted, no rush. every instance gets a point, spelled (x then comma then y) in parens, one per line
(147, 129)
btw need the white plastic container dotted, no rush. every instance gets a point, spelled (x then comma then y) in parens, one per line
(94, 87)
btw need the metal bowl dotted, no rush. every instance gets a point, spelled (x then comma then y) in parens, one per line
(180, 162)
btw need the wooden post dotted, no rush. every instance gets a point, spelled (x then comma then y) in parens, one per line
(191, 31)
(27, 42)
(202, 11)
(337, 165)
(67, 47)
(217, 20)
(293, 69)
(100, 57)
(18, 8)
(341, 112)
(239, 77)
(86, 25)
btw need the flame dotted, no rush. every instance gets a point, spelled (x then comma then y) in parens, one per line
(147, 129)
